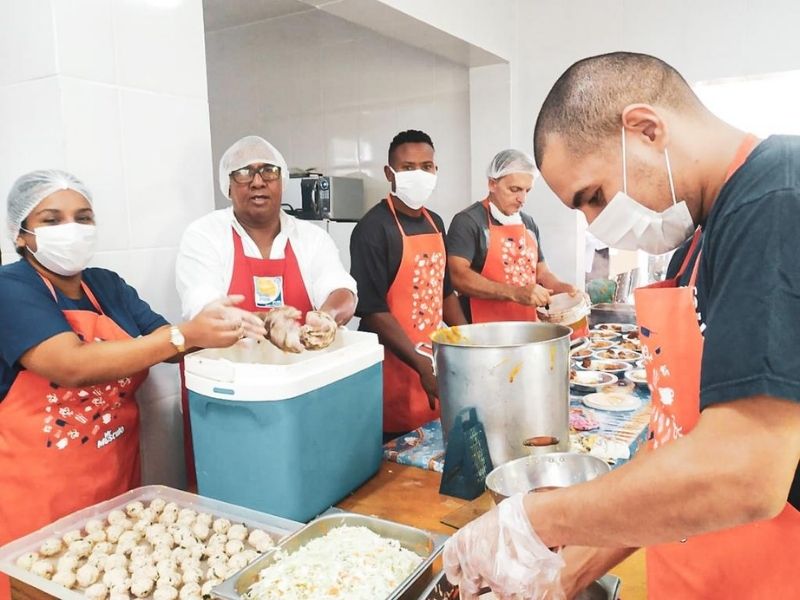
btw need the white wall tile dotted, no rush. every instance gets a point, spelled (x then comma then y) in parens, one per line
(161, 429)
(32, 138)
(85, 39)
(27, 45)
(338, 77)
(158, 44)
(341, 140)
(92, 145)
(167, 165)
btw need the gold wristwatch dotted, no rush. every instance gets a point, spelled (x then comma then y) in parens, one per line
(177, 339)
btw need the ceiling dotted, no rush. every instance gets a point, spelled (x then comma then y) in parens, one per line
(222, 14)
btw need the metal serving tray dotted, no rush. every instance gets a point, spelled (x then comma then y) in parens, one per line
(277, 527)
(425, 544)
(605, 588)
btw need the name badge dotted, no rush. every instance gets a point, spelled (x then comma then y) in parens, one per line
(268, 291)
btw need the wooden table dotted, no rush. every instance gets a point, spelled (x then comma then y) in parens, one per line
(411, 496)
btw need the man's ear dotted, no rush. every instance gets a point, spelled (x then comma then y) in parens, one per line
(644, 121)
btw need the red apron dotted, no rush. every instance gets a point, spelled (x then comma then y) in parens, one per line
(63, 449)
(511, 258)
(754, 562)
(415, 300)
(249, 272)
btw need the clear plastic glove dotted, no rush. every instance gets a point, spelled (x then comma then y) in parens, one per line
(220, 324)
(283, 328)
(501, 551)
(319, 330)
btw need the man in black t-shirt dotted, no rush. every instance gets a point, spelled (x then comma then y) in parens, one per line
(398, 260)
(623, 138)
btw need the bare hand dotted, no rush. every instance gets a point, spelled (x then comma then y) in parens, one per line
(533, 295)
(319, 330)
(428, 381)
(220, 324)
(283, 328)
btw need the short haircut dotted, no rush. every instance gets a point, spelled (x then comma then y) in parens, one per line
(585, 104)
(411, 136)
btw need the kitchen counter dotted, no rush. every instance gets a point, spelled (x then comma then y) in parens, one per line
(411, 496)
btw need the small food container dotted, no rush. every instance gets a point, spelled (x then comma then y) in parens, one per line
(591, 381)
(618, 354)
(276, 527)
(637, 376)
(617, 367)
(425, 544)
(545, 472)
(572, 311)
(605, 588)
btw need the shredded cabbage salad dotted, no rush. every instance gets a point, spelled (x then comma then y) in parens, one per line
(352, 563)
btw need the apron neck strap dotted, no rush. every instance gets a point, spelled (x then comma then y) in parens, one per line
(397, 220)
(84, 287)
(749, 142)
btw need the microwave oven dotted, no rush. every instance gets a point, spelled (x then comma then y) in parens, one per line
(325, 197)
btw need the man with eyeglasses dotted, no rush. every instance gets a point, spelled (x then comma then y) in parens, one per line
(282, 266)
(253, 247)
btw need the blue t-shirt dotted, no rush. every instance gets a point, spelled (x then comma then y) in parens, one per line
(748, 282)
(29, 315)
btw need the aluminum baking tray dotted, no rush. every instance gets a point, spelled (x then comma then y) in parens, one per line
(425, 544)
(605, 588)
(277, 527)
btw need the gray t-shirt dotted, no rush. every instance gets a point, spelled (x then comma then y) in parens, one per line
(468, 237)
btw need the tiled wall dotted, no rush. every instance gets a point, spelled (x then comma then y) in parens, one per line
(331, 95)
(115, 91)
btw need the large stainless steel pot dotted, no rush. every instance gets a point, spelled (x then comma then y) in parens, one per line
(516, 375)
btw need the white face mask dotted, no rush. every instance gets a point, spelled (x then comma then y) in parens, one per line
(628, 225)
(65, 249)
(414, 188)
(502, 218)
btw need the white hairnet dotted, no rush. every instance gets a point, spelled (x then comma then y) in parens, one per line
(30, 189)
(510, 161)
(249, 150)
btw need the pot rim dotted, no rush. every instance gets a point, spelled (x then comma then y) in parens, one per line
(566, 335)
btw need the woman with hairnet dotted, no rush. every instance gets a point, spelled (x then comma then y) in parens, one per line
(493, 249)
(69, 422)
(288, 270)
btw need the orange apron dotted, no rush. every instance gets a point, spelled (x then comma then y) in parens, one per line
(754, 562)
(511, 258)
(246, 271)
(415, 300)
(63, 449)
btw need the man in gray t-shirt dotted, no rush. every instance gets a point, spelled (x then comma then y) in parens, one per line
(495, 256)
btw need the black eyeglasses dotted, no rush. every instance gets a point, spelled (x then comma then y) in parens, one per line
(247, 174)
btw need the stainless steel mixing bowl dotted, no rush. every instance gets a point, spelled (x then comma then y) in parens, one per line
(542, 472)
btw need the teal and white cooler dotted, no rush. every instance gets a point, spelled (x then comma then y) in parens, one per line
(286, 434)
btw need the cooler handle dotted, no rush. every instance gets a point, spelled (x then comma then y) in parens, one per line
(426, 350)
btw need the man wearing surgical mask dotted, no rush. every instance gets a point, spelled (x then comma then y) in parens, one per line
(398, 259)
(494, 252)
(623, 138)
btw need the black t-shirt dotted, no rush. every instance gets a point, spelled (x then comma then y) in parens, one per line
(376, 249)
(748, 283)
(468, 237)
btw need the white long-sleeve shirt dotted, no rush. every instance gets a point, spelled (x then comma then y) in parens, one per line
(204, 265)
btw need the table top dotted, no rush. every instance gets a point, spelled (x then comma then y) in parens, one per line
(589, 428)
